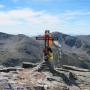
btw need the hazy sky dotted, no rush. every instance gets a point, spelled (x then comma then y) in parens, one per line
(32, 17)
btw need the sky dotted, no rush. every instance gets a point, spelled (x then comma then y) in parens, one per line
(32, 17)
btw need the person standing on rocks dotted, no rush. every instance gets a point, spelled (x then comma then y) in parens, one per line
(47, 52)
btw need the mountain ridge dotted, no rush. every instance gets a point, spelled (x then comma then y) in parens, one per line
(14, 49)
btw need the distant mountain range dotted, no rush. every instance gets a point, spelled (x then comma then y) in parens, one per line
(76, 50)
(14, 49)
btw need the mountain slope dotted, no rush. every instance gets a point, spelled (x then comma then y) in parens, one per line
(17, 48)
(76, 50)
(14, 49)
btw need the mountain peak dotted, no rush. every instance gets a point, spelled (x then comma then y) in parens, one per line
(4, 35)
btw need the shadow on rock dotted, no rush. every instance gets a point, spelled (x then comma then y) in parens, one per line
(71, 80)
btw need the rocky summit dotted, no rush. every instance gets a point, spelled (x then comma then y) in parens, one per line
(19, 78)
(21, 67)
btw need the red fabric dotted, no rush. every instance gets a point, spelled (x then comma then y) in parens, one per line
(46, 37)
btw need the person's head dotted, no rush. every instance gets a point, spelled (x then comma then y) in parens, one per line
(47, 32)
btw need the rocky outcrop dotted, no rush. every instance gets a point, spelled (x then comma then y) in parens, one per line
(28, 65)
(32, 79)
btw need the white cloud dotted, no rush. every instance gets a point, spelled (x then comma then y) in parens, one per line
(27, 16)
(26, 20)
(77, 13)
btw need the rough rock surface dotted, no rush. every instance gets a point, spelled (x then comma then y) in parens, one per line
(32, 79)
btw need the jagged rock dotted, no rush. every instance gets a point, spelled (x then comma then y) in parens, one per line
(8, 69)
(39, 88)
(72, 76)
(74, 68)
(59, 79)
(28, 65)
